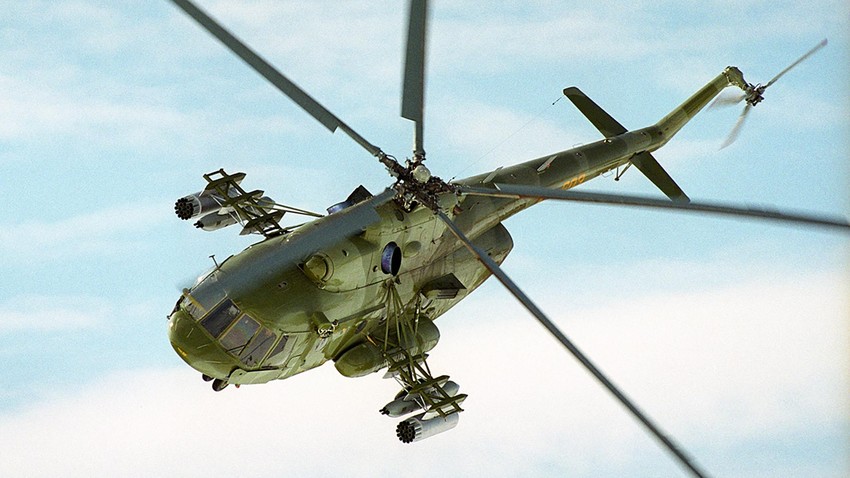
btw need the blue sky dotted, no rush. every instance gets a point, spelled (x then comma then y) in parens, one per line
(732, 335)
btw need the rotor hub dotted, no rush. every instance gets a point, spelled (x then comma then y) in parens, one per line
(755, 94)
(417, 186)
(421, 174)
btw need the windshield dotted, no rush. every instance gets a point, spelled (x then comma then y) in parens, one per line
(205, 296)
(254, 352)
(220, 318)
(240, 335)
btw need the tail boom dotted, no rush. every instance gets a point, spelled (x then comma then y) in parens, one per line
(569, 168)
(671, 124)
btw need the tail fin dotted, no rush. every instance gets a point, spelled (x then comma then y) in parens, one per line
(609, 127)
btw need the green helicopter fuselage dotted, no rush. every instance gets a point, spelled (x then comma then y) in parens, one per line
(292, 302)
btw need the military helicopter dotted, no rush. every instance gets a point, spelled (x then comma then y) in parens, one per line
(363, 285)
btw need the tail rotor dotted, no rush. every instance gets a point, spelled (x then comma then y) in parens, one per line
(753, 94)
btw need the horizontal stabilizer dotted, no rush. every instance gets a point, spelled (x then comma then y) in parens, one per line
(647, 164)
(610, 128)
(607, 125)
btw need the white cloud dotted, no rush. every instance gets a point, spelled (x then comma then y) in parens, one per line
(116, 118)
(724, 371)
(32, 110)
(51, 313)
(721, 371)
(496, 43)
(94, 232)
(489, 136)
(321, 46)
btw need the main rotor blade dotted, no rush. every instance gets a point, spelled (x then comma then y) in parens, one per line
(276, 78)
(757, 212)
(497, 271)
(413, 93)
(736, 130)
(799, 60)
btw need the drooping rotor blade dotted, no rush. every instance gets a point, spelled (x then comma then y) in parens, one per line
(413, 93)
(736, 130)
(497, 271)
(276, 78)
(799, 60)
(519, 191)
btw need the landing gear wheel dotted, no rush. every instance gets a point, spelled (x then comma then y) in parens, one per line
(206, 378)
(219, 384)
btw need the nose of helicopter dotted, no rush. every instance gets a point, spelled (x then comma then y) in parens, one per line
(195, 347)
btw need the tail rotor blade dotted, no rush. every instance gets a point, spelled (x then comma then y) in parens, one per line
(753, 94)
(497, 271)
(727, 99)
(736, 130)
(276, 78)
(799, 60)
(413, 93)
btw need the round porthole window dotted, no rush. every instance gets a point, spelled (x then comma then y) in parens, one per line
(391, 259)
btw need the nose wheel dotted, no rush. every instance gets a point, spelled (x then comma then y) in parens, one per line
(218, 384)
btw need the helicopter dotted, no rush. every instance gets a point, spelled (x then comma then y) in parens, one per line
(362, 285)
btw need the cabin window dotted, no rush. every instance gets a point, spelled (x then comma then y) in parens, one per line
(256, 350)
(276, 358)
(235, 340)
(220, 318)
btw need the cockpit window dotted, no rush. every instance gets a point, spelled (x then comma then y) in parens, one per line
(277, 358)
(237, 337)
(220, 318)
(207, 293)
(191, 307)
(240, 334)
(247, 340)
(256, 350)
